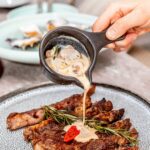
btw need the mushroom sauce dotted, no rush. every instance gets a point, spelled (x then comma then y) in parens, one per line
(67, 61)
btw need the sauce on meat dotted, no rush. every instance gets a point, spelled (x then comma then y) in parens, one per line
(86, 133)
(68, 61)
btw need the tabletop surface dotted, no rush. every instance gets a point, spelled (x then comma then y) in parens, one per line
(117, 69)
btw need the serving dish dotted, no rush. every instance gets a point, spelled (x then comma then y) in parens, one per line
(136, 108)
(32, 56)
(32, 10)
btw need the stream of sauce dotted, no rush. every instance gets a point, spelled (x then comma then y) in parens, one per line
(69, 62)
(87, 86)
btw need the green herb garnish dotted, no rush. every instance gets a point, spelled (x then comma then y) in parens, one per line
(109, 130)
(56, 50)
(59, 116)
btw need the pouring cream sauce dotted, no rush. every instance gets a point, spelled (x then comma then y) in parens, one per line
(68, 61)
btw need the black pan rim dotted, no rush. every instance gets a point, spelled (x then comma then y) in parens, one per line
(117, 88)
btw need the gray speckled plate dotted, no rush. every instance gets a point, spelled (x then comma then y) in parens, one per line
(136, 108)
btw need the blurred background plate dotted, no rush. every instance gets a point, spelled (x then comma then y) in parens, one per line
(10, 29)
(136, 108)
(32, 9)
(12, 3)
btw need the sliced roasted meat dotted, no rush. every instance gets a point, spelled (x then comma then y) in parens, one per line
(29, 132)
(128, 148)
(122, 124)
(73, 104)
(98, 107)
(101, 145)
(106, 106)
(49, 145)
(134, 133)
(117, 140)
(18, 120)
(110, 116)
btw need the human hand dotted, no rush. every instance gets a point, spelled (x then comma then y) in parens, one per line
(130, 17)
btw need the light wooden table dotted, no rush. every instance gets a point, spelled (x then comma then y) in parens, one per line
(112, 68)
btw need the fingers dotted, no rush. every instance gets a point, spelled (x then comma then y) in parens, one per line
(112, 46)
(127, 41)
(117, 16)
(121, 26)
(124, 44)
(105, 19)
(111, 14)
(129, 18)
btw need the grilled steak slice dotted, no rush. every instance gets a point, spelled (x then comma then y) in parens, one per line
(128, 148)
(51, 145)
(108, 142)
(106, 106)
(73, 104)
(18, 120)
(110, 116)
(117, 140)
(29, 133)
(122, 124)
(101, 145)
(99, 106)
(134, 133)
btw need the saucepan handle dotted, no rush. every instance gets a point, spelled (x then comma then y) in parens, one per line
(100, 40)
(106, 41)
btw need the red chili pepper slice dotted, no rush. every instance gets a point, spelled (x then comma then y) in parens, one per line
(71, 134)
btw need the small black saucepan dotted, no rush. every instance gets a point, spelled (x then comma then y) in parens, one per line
(85, 42)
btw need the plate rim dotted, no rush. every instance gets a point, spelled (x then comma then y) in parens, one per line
(4, 98)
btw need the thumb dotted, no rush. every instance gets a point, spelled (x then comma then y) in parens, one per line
(122, 25)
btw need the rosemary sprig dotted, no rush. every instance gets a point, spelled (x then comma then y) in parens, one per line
(56, 50)
(61, 116)
(119, 132)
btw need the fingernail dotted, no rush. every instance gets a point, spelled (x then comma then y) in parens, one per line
(111, 34)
